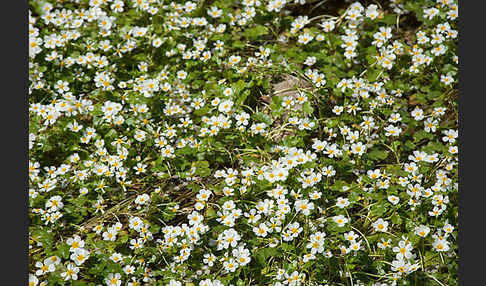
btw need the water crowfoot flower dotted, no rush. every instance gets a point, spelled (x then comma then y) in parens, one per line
(172, 143)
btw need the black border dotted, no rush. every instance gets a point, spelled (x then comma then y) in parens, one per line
(472, 63)
(14, 116)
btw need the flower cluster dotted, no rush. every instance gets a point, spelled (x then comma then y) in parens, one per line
(242, 142)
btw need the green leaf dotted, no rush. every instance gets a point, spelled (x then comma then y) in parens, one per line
(377, 154)
(378, 210)
(111, 134)
(238, 86)
(203, 172)
(396, 219)
(276, 105)
(202, 111)
(63, 251)
(287, 247)
(389, 19)
(434, 95)
(264, 254)
(307, 108)
(262, 117)
(396, 144)
(373, 74)
(255, 32)
(238, 44)
(422, 134)
(409, 145)
(209, 213)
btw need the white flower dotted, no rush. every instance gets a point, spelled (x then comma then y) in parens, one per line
(304, 206)
(225, 106)
(358, 148)
(422, 230)
(340, 220)
(305, 38)
(393, 199)
(342, 202)
(380, 225)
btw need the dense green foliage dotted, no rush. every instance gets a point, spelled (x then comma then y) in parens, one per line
(248, 142)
